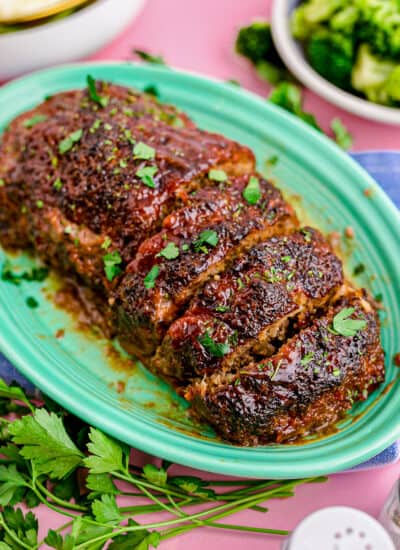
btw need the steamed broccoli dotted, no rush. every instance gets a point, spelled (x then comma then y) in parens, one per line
(370, 75)
(355, 44)
(255, 43)
(311, 14)
(380, 26)
(393, 85)
(331, 54)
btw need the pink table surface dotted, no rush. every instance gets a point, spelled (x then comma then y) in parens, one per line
(198, 35)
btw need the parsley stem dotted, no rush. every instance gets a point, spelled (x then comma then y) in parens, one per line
(49, 504)
(59, 501)
(141, 483)
(12, 534)
(223, 511)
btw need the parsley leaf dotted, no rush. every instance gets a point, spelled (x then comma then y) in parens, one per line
(252, 191)
(112, 260)
(10, 481)
(308, 357)
(100, 484)
(151, 89)
(155, 475)
(58, 184)
(135, 540)
(345, 326)
(105, 510)
(106, 243)
(217, 175)
(67, 143)
(46, 443)
(170, 252)
(149, 58)
(150, 279)
(207, 237)
(93, 94)
(55, 540)
(146, 174)
(216, 349)
(32, 302)
(342, 136)
(106, 454)
(143, 151)
(31, 122)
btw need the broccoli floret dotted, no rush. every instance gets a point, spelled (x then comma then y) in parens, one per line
(370, 75)
(289, 97)
(344, 21)
(255, 42)
(393, 85)
(379, 26)
(310, 14)
(331, 54)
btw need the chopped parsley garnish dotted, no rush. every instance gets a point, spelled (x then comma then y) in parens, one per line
(170, 252)
(143, 151)
(31, 122)
(57, 184)
(345, 326)
(66, 144)
(217, 175)
(106, 243)
(37, 274)
(222, 309)
(272, 161)
(233, 82)
(93, 94)
(336, 372)
(152, 90)
(39, 203)
(308, 357)
(150, 279)
(185, 247)
(207, 237)
(286, 259)
(2, 182)
(307, 235)
(360, 268)
(216, 349)
(252, 191)
(149, 58)
(112, 261)
(32, 302)
(95, 126)
(146, 174)
(342, 136)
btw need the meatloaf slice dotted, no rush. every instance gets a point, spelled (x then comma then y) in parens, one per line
(196, 242)
(29, 147)
(115, 171)
(271, 290)
(305, 387)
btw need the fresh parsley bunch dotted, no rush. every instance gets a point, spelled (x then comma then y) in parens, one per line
(52, 458)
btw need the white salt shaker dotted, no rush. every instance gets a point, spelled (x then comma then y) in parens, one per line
(339, 528)
(390, 515)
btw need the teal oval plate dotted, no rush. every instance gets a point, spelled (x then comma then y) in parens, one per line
(80, 369)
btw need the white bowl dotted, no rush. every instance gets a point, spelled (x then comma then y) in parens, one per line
(291, 53)
(65, 40)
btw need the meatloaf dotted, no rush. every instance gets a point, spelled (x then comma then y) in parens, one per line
(192, 259)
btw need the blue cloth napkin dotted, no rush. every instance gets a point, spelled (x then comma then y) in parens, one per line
(384, 167)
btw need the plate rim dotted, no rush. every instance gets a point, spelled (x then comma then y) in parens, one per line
(182, 454)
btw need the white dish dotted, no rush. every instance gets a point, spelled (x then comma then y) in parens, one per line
(292, 54)
(65, 40)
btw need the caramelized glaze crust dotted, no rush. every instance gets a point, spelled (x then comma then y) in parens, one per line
(305, 387)
(276, 287)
